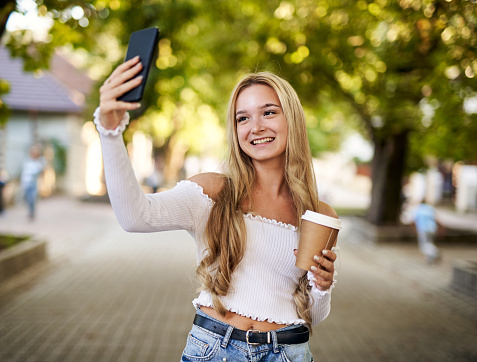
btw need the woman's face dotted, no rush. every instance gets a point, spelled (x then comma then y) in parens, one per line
(262, 129)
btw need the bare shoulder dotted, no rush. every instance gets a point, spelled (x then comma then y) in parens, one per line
(327, 210)
(212, 183)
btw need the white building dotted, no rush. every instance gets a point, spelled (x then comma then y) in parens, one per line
(46, 109)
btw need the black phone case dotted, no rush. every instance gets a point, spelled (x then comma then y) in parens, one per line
(144, 44)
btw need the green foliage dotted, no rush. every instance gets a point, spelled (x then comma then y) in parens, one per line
(4, 110)
(60, 159)
(366, 64)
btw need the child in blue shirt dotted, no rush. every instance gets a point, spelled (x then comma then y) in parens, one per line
(426, 226)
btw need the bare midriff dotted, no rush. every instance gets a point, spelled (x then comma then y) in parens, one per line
(242, 322)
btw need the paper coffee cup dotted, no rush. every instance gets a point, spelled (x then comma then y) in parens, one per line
(318, 233)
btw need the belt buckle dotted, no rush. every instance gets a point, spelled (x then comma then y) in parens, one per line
(247, 336)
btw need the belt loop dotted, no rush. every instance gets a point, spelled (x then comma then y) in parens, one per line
(275, 341)
(225, 341)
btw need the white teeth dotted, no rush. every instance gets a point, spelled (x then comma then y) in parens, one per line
(263, 140)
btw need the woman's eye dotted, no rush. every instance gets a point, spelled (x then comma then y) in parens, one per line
(268, 113)
(241, 119)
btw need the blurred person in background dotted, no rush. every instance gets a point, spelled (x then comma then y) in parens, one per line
(32, 168)
(427, 226)
(3, 182)
(156, 179)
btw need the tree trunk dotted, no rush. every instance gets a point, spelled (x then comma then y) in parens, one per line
(174, 150)
(387, 171)
(6, 9)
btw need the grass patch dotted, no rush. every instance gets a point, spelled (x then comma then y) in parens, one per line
(8, 240)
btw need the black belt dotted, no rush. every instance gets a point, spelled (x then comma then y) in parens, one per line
(293, 336)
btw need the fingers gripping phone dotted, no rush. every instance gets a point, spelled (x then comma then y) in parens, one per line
(144, 44)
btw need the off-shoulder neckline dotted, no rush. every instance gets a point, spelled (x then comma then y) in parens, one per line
(249, 215)
(284, 225)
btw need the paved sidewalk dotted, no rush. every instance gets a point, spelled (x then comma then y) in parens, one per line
(106, 295)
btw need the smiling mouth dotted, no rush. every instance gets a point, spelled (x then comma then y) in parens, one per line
(261, 141)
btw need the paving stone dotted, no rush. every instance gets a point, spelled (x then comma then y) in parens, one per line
(106, 295)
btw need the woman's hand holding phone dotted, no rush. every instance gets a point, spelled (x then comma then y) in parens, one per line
(121, 80)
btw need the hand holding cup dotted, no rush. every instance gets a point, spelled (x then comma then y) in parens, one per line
(318, 233)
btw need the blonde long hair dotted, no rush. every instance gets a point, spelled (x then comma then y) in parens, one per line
(225, 231)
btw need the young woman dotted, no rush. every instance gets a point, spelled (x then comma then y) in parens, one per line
(254, 304)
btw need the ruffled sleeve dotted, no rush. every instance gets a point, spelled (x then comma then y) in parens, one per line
(110, 132)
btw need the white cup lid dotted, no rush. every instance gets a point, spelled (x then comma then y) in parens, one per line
(321, 219)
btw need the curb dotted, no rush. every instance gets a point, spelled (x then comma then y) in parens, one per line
(464, 276)
(371, 234)
(19, 257)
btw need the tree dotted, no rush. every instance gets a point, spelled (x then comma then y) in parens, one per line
(375, 63)
(395, 56)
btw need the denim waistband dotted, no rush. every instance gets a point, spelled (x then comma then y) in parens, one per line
(287, 328)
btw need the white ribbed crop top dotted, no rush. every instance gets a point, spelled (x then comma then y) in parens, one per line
(263, 284)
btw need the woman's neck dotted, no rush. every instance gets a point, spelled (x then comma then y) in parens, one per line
(271, 197)
(270, 180)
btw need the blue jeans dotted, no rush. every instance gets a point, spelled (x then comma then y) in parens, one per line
(30, 197)
(204, 345)
(427, 246)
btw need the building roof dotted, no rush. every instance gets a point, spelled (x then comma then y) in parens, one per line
(60, 90)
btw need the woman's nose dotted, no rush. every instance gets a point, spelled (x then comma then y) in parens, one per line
(257, 125)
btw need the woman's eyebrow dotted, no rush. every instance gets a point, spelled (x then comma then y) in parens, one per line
(261, 107)
(269, 105)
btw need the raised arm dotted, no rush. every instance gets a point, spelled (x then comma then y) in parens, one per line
(131, 206)
(135, 211)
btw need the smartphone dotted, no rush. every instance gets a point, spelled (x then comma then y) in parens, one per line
(142, 43)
